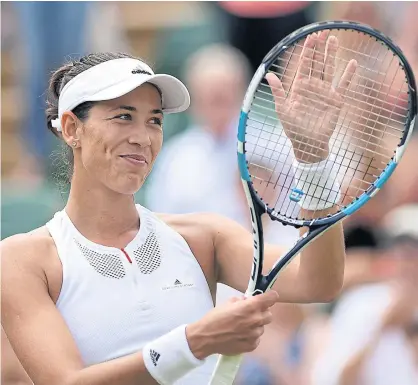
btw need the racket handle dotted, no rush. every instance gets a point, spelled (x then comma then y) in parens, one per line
(226, 370)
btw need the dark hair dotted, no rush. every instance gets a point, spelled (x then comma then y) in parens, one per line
(64, 159)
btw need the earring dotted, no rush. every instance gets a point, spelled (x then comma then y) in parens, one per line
(74, 144)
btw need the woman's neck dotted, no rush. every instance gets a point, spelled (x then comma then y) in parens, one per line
(102, 215)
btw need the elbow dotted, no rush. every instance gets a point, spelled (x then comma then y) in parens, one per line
(328, 286)
(72, 379)
(325, 291)
(331, 289)
(329, 295)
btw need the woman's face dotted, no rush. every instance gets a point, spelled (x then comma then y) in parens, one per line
(121, 139)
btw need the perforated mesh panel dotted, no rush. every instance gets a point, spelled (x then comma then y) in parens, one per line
(148, 256)
(108, 265)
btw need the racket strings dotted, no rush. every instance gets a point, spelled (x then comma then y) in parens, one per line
(342, 61)
(358, 168)
(368, 129)
(364, 53)
(396, 130)
(399, 98)
(384, 126)
(382, 146)
(281, 70)
(290, 149)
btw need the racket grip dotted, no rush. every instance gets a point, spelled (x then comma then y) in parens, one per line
(226, 370)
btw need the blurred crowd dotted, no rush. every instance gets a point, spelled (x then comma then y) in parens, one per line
(369, 335)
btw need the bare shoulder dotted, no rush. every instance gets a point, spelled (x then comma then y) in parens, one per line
(27, 250)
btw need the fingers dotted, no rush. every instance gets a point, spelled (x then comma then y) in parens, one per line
(233, 300)
(267, 317)
(305, 63)
(236, 299)
(319, 54)
(329, 68)
(277, 90)
(266, 300)
(347, 76)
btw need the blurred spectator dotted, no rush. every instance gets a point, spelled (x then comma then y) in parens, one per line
(201, 162)
(401, 189)
(412, 335)
(368, 343)
(290, 343)
(254, 372)
(255, 27)
(367, 12)
(407, 33)
(50, 31)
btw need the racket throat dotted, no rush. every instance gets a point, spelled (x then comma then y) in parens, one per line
(262, 285)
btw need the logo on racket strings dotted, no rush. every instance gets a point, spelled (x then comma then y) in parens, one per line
(296, 195)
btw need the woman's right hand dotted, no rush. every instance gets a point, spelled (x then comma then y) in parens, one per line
(233, 328)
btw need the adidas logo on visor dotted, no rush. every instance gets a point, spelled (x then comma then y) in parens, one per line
(139, 70)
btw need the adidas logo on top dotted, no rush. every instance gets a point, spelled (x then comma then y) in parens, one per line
(177, 284)
(154, 356)
(140, 70)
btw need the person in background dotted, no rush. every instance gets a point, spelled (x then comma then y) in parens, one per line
(255, 27)
(50, 31)
(368, 341)
(217, 76)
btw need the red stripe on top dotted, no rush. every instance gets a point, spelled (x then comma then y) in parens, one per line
(127, 256)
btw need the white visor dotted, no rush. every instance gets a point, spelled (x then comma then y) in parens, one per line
(115, 78)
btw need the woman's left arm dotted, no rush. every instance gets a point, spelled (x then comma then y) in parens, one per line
(315, 275)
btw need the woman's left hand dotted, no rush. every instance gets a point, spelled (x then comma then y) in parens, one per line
(310, 111)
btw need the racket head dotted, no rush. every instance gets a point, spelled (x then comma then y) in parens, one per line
(370, 136)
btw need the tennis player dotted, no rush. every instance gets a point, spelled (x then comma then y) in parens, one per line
(108, 292)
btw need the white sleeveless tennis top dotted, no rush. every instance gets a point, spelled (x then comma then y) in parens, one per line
(114, 301)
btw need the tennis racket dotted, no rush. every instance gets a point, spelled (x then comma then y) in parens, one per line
(339, 97)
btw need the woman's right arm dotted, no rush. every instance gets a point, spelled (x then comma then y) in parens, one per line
(12, 372)
(38, 333)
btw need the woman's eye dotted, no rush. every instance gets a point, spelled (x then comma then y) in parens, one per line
(124, 117)
(156, 120)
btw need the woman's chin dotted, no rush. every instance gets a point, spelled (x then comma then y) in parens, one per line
(130, 185)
